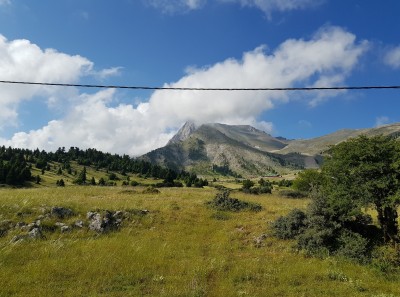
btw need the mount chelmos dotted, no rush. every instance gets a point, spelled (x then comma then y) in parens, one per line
(235, 149)
(245, 150)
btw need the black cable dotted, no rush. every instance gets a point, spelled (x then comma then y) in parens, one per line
(200, 89)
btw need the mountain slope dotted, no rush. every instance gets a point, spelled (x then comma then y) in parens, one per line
(243, 149)
(318, 145)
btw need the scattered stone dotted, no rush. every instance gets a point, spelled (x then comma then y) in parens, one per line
(61, 212)
(79, 224)
(35, 233)
(65, 228)
(90, 215)
(30, 226)
(59, 224)
(107, 221)
(258, 241)
(20, 225)
(18, 238)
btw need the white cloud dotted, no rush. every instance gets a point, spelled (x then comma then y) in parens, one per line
(392, 57)
(105, 73)
(176, 6)
(268, 6)
(5, 2)
(21, 60)
(96, 121)
(381, 121)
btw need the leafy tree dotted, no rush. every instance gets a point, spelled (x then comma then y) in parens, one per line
(247, 184)
(308, 180)
(81, 179)
(102, 181)
(365, 171)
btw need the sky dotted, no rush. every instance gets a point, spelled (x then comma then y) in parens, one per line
(192, 43)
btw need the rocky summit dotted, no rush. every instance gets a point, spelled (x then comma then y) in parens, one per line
(245, 150)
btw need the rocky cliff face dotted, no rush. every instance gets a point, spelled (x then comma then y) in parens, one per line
(241, 149)
(248, 151)
(187, 129)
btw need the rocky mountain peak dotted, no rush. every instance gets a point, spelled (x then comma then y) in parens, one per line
(184, 132)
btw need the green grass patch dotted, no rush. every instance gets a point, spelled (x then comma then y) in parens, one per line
(178, 248)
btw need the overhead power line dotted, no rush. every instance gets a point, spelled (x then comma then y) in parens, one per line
(200, 89)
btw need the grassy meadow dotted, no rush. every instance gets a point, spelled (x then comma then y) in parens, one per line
(179, 248)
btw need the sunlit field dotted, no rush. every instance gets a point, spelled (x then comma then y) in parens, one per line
(180, 247)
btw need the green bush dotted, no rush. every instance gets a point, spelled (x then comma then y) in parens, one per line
(290, 226)
(292, 194)
(222, 202)
(386, 258)
(353, 246)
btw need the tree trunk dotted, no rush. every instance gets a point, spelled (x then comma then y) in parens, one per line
(387, 217)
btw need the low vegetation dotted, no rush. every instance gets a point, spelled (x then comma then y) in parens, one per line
(178, 235)
(358, 174)
(223, 202)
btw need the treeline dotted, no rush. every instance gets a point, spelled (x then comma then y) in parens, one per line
(16, 164)
(14, 170)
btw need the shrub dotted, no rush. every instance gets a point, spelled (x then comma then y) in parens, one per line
(292, 194)
(290, 226)
(353, 246)
(222, 202)
(151, 190)
(134, 183)
(386, 258)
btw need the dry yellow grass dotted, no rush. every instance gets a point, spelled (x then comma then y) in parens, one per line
(181, 248)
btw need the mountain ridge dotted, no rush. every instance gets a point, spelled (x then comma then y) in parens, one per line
(247, 151)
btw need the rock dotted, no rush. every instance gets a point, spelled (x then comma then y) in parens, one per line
(90, 215)
(79, 224)
(18, 238)
(258, 241)
(20, 225)
(59, 224)
(145, 211)
(65, 228)
(105, 222)
(61, 212)
(35, 233)
(31, 226)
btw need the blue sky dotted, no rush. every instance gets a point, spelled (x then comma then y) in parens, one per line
(192, 43)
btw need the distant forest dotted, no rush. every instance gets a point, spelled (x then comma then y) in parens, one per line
(16, 164)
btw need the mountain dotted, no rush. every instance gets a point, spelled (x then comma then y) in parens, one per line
(245, 150)
(239, 149)
(316, 146)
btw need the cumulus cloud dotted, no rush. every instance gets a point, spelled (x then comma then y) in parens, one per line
(392, 58)
(105, 73)
(176, 6)
(98, 120)
(268, 6)
(21, 60)
(5, 2)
